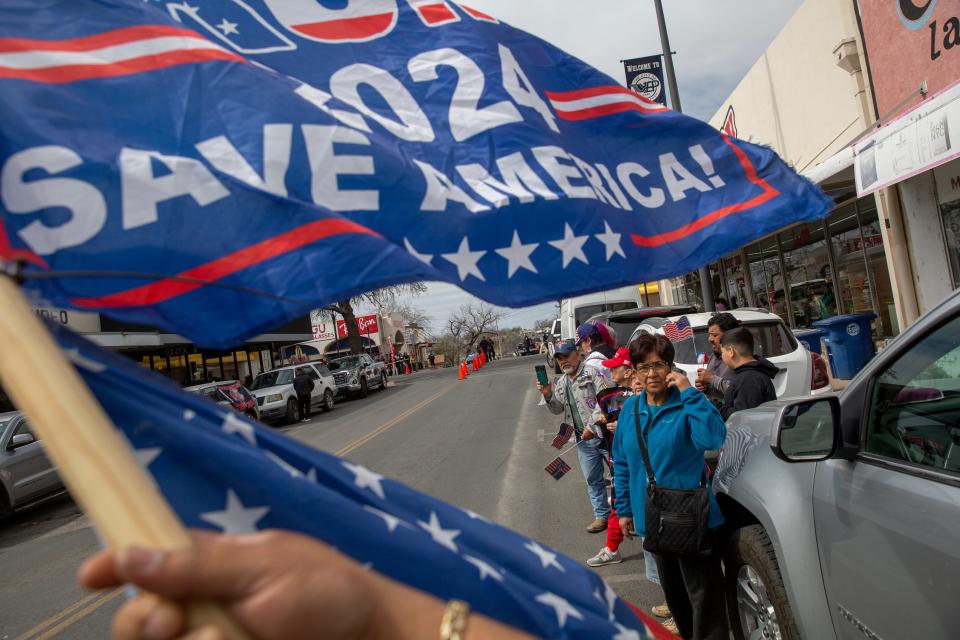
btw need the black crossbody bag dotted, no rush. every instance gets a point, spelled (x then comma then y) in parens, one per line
(676, 519)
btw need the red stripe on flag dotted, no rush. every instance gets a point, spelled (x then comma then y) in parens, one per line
(603, 110)
(768, 194)
(438, 13)
(73, 73)
(220, 268)
(97, 41)
(592, 92)
(478, 14)
(361, 27)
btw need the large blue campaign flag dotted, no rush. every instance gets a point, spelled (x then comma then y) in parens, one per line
(220, 471)
(214, 167)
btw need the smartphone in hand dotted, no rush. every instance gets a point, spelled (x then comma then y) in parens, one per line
(542, 374)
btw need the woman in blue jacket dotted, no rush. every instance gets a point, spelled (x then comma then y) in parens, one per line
(678, 425)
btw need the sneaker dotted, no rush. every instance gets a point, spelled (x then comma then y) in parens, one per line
(605, 557)
(661, 610)
(670, 626)
(597, 525)
(305, 420)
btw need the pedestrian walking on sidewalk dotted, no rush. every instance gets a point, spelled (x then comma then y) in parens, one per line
(675, 424)
(575, 397)
(303, 387)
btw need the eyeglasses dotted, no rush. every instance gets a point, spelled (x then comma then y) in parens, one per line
(658, 367)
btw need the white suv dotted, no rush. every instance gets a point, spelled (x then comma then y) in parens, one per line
(801, 372)
(277, 399)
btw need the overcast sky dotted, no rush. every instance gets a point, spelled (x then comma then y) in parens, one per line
(716, 42)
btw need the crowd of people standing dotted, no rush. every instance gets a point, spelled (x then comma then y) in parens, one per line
(637, 415)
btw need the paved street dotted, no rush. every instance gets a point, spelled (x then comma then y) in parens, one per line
(480, 444)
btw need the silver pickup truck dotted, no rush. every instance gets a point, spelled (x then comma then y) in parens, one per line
(356, 374)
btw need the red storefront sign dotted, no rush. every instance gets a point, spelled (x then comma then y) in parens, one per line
(908, 41)
(366, 324)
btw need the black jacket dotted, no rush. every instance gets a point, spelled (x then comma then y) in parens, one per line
(302, 384)
(751, 386)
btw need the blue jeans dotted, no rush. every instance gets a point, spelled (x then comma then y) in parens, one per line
(650, 567)
(591, 463)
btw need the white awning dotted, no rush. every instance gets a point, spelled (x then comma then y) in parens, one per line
(830, 167)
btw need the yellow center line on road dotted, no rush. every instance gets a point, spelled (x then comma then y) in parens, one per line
(56, 623)
(88, 604)
(359, 442)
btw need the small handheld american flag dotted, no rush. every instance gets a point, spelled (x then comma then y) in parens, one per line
(679, 330)
(558, 468)
(563, 436)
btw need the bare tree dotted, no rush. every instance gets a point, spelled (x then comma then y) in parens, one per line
(379, 298)
(473, 321)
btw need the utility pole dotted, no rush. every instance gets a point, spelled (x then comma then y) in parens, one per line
(706, 284)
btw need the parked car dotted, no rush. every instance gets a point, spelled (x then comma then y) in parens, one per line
(845, 509)
(800, 372)
(26, 474)
(626, 321)
(357, 373)
(278, 401)
(230, 393)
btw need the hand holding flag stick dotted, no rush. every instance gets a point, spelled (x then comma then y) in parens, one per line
(94, 461)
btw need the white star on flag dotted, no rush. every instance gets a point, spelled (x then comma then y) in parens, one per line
(547, 558)
(571, 246)
(518, 255)
(611, 241)
(145, 457)
(227, 27)
(236, 518)
(232, 423)
(366, 479)
(626, 634)
(443, 537)
(188, 415)
(561, 607)
(310, 475)
(610, 596)
(475, 516)
(425, 258)
(466, 261)
(485, 569)
(391, 521)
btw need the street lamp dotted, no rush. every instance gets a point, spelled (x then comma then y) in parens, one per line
(706, 285)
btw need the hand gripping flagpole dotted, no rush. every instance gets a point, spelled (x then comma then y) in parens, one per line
(93, 459)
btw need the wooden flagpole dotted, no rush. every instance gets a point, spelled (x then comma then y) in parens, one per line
(92, 457)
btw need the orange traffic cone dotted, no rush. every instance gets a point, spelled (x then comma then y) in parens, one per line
(466, 369)
(462, 375)
(483, 359)
(408, 368)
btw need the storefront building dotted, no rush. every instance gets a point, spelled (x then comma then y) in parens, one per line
(174, 356)
(808, 98)
(912, 159)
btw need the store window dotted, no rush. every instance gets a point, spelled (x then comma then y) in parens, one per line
(736, 281)
(765, 276)
(807, 263)
(862, 278)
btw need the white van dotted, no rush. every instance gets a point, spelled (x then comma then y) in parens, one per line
(576, 311)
